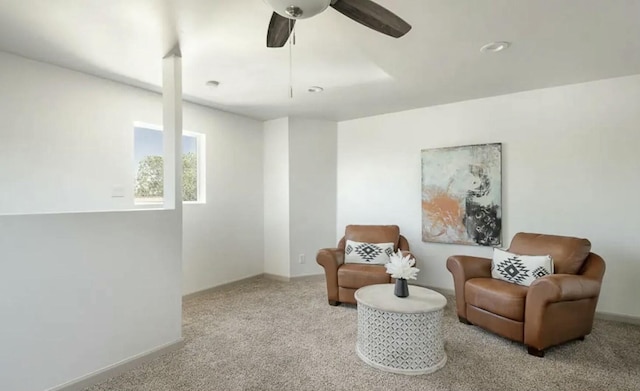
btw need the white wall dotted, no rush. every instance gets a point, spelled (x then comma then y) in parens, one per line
(80, 292)
(570, 167)
(299, 194)
(276, 197)
(59, 153)
(223, 238)
(312, 181)
(66, 138)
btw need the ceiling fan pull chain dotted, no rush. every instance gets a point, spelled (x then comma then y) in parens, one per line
(291, 61)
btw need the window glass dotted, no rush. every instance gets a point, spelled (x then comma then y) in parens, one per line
(149, 166)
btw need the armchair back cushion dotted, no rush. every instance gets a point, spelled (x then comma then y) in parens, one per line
(568, 253)
(371, 234)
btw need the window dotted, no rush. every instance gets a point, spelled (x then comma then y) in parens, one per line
(149, 165)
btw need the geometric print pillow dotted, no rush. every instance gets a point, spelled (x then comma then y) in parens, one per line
(520, 269)
(368, 253)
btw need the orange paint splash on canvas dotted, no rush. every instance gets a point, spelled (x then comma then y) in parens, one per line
(444, 211)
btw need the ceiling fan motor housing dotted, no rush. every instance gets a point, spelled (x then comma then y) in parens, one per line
(298, 9)
(366, 12)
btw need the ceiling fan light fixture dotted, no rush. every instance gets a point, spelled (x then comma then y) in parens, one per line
(298, 9)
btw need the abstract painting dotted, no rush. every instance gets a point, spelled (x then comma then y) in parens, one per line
(462, 195)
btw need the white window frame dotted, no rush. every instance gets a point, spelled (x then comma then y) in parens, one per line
(201, 158)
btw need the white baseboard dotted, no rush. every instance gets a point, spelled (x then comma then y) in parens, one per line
(100, 375)
(276, 277)
(618, 318)
(444, 291)
(221, 287)
(311, 277)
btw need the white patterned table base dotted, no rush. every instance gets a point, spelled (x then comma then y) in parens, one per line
(410, 344)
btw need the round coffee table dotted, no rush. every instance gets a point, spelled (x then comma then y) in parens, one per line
(401, 335)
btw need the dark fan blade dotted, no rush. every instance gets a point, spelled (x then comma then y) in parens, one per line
(279, 30)
(374, 16)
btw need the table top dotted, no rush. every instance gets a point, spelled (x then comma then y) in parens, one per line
(381, 297)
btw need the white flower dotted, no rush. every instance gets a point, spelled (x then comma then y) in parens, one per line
(402, 267)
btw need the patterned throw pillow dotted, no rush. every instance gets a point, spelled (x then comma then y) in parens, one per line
(520, 269)
(368, 253)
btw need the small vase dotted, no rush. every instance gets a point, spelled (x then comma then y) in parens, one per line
(401, 288)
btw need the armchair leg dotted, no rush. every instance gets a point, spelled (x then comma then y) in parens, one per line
(334, 302)
(535, 352)
(463, 320)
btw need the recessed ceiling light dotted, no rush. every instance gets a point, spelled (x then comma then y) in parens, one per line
(315, 89)
(212, 83)
(495, 47)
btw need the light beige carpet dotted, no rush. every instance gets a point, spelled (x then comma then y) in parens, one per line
(270, 335)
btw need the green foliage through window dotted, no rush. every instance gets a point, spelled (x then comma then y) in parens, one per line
(150, 178)
(148, 165)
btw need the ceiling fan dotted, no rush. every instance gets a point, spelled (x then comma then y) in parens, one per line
(365, 12)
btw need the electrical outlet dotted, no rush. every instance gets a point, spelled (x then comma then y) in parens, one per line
(301, 258)
(117, 191)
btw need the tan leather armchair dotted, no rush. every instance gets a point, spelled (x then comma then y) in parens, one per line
(555, 309)
(344, 279)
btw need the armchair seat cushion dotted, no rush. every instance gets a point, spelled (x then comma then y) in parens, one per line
(356, 276)
(497, 296)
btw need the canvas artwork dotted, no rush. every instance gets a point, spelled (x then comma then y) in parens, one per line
(462, 195)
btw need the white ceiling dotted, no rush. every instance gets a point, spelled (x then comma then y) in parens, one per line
(363, 72)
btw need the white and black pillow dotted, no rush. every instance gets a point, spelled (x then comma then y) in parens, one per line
(367, 253)
(520, 269)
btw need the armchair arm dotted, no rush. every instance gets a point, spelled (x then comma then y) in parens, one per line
(558, 308)
(409, 253)
(403, 244)
(593, 267)
(561, 287)
(330, 259)
(463, 268)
